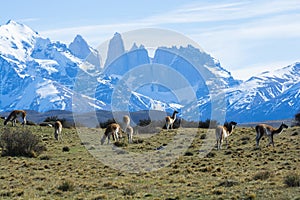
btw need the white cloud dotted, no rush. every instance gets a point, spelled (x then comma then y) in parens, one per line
(258, 43)
(95, 34)
(212, 12)
(25, 20)
(216, 11)
(253, 70)
(232, 31)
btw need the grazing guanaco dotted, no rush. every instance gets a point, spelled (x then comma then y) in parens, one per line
(264, 129)
(113, 130)
(14, 115)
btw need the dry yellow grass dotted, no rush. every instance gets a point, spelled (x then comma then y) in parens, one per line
(239, 172)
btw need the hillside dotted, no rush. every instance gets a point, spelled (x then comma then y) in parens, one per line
(239, 172)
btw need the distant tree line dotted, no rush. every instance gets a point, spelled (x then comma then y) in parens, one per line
(52, 119)
(106, 123)
(148, 124)
(297, 119)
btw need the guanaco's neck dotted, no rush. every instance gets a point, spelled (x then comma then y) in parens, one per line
(277, 131)
(174, 115)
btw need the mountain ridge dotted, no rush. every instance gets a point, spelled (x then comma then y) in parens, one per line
(31, 64)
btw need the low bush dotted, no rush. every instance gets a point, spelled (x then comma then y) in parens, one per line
(228, 183)
(120, 144)
(297, 120)
(20, 143)
(148, 126)
(66, 185)
(292, 180)
(263, 175)
(65, 149)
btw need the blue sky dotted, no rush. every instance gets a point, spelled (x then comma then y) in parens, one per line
(247, 37)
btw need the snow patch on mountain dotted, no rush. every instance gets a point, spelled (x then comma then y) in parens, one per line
(36, 73)
(17, 40)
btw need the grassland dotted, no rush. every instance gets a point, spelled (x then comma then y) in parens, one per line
(67, 169)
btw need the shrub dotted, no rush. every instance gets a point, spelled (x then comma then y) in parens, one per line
(297, 120)
(20, 143)
(45, 157)
(66, 186)
(150, 126)
(67, 124)
(208, 124)
(138, 141)
(210, 155)
(188, 153)
(292, 180)
(128, 192)
(188, 124)
(144, 122)
(100, 197)
(30, 123)
(203, 136)
(120, 144)
(65, 149)
(51, 119)
(228, 183)
(263, 175)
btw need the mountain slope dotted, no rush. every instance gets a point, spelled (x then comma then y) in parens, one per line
(36, 73)
(271, 95)
(39, 74)
(80, 48)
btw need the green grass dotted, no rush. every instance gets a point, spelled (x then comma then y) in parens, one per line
(239, 172)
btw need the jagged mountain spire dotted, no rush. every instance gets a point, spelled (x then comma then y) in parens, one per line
(115, 48)
(79, 47)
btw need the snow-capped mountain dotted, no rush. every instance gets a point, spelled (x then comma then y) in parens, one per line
(17, 40)
(40, 74)
(270, 95)
(115, 49)
(163, 82)
(36, 73)
(80, 48)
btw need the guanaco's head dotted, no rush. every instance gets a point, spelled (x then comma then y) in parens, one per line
(283, 125)
(230, 126)
(174, 113)
(232, 123)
